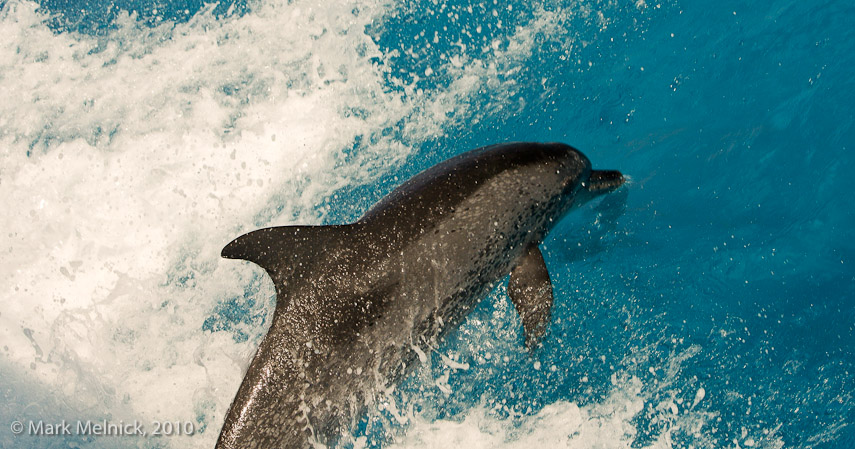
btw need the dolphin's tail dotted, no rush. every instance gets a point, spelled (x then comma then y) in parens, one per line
(604, 181)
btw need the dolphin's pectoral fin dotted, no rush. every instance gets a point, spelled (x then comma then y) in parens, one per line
(531, 292)
(283, 251)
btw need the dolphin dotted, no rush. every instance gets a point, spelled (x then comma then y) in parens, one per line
(356, 304)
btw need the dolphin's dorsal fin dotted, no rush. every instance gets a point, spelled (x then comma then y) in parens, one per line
(284, 251)
(531, 292)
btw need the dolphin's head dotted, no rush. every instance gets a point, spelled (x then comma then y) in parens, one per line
(547, 180)
(570, 172)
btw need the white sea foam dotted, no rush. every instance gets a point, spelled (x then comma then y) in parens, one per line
(606, 424)
(129, 160)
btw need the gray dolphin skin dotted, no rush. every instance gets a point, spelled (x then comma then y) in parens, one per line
(358, 303)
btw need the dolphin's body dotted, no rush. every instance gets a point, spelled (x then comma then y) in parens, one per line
(356, 303)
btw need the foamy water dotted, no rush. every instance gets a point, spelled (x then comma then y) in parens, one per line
(610, 422)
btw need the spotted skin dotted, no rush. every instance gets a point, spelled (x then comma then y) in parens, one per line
(358, 303)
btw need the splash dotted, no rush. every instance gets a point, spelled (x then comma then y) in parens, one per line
(129, 159)
(606, 424)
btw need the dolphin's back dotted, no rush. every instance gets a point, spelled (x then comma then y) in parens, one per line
(434, 193)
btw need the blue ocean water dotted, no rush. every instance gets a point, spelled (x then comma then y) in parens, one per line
(709, 303)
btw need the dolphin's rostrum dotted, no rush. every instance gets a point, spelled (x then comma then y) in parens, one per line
(356, 303)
